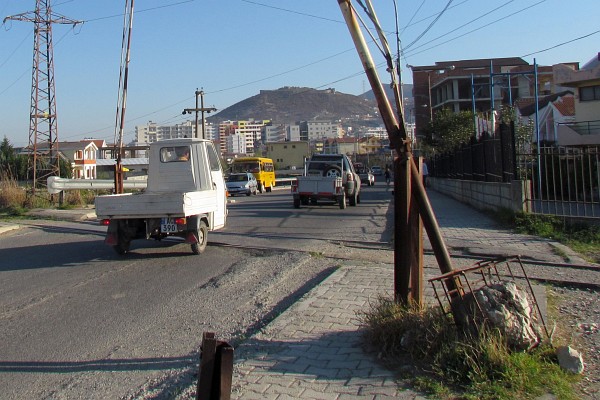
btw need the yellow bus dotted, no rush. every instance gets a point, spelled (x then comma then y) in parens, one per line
(260, 167)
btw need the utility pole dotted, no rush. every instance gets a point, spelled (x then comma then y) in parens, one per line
(409, 194)
(122, 102)
(202, 109)
(43, 160)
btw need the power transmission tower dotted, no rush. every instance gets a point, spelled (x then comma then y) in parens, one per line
(43, 133)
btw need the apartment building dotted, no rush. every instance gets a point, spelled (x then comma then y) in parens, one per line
(153, 132)
(479, 85)
(251, 132)
(282, 133)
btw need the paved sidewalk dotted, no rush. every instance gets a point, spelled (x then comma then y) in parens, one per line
(314, 351)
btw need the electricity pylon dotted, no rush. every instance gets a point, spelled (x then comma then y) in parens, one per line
(43, 132)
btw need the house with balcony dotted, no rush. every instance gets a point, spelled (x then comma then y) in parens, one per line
(82, 155)
(552, 111)
(585, 83)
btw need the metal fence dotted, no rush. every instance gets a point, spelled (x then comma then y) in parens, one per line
(562, 181)
(489, 159)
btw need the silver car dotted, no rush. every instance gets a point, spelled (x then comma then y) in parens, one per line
(242, 183)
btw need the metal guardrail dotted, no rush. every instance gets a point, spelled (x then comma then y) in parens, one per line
(57, 184)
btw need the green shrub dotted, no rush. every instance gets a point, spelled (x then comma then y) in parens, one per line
(452, 363)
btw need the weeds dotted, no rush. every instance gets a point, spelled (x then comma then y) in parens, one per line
(451, 363)
(14, 200)
(12, 197)
(584, 239)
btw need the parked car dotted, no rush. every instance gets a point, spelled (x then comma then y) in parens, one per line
(366, 176)
(241, 183)
(376, 170)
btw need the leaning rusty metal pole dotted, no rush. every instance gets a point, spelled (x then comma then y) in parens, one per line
(398, 139)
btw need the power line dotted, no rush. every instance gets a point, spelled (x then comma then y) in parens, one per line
(474, 30)
(561, 44)
(430, 26)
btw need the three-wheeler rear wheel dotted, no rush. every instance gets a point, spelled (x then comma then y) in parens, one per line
(202, 234)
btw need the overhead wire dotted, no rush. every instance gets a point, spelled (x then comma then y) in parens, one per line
(437, 16)
(562, 44)
(430, 25)
(474, 30)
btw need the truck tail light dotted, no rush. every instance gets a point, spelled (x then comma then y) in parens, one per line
(105, 222)
(180, 221)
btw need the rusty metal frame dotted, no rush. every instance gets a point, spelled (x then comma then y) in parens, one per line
(483, 273)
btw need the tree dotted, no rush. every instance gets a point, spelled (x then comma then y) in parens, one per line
(14, 165)
(448, 130)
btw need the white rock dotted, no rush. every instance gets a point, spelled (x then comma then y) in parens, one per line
(569, 359)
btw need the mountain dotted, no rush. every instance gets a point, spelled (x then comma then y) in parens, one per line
(292, 104)
(406, 92)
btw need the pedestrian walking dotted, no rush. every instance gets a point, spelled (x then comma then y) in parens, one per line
(388, 175)
(425, 172)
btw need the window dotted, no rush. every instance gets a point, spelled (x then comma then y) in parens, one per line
(589, 93)
(177, 153)
(213, 158)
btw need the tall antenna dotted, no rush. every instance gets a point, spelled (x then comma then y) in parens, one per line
(43, 132)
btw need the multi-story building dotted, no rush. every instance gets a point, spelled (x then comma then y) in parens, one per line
(481, 86)
(252, 132)
(152, 132)
(319, 130)
(288, 155)
(282, 132)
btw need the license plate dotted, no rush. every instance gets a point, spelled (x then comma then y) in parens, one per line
(167, 225)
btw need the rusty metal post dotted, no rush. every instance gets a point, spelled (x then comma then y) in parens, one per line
(216, 369)
(207, 365)
(416, 226)
(402, 239)
(224, 374)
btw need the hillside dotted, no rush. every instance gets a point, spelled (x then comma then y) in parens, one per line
(292, 104)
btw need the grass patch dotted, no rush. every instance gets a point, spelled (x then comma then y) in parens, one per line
(582, 238)
(452, 364)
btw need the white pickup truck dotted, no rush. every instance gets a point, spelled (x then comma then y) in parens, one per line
(185, 197)
(329, 177)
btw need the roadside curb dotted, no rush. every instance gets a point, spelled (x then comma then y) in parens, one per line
(4, 227)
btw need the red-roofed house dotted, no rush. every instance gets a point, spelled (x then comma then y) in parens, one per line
(553, 110)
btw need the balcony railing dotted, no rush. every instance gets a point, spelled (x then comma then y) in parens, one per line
(584, 127)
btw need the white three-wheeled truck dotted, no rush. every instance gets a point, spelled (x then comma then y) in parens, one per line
(185, 197)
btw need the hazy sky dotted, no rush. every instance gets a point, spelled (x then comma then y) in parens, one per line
(234, 48)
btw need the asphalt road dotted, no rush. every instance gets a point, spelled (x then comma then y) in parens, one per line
(79, 321)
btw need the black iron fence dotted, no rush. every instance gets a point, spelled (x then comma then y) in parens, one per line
(489, 159)
(562, 181)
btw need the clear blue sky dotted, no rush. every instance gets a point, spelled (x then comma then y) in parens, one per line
(234, 48)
